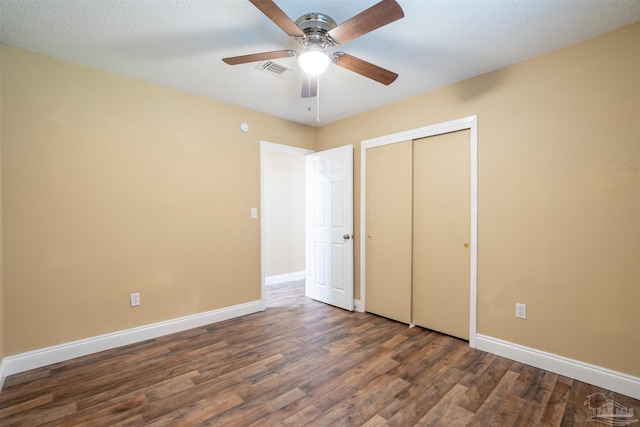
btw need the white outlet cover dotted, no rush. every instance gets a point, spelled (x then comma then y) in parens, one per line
(134, 299)
(521, 311)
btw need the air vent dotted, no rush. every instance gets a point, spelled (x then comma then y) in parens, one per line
(275, 68)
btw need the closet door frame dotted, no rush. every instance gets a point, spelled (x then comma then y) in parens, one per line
(470, 123)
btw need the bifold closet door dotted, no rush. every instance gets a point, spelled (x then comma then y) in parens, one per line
(388, 226)
(441, 233)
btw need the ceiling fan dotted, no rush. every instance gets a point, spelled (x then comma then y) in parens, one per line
(316, 32)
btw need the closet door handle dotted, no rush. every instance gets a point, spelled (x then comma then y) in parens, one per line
(346, 237)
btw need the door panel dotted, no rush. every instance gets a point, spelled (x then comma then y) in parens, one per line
(388, 225)
(441, 233)
(330, 226)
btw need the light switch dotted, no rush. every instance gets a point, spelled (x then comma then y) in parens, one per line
(254, 213)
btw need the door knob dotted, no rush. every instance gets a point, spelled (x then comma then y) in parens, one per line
(346, 237)
(466, 245)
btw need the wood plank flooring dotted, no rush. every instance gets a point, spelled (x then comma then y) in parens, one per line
(299, 362)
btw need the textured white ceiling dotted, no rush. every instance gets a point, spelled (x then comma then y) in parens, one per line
(180, 43)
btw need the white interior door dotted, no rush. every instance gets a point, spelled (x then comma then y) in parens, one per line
(329, 243)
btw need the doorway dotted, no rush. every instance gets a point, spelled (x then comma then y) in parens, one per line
(282, 207)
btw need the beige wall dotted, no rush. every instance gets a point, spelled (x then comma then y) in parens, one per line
(2, 351)
(559, 194)
(113, 186)
(284, 181)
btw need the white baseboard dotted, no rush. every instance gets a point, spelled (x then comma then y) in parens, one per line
(3, 375)
(283, 278)
(602, 377)
(357, 306)
(38, 358)
(591, 374)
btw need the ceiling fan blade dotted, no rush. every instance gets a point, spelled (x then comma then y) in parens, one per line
(273, 12)
(254, 57)
(376, 16)
(309, 85)
(364, 68)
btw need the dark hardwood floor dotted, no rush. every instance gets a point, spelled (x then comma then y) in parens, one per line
(299, 362)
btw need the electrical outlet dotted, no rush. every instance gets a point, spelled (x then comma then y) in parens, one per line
(135, 299)
(521, 311)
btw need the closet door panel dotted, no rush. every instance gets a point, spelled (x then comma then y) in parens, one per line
(441, 232)
(388, 227)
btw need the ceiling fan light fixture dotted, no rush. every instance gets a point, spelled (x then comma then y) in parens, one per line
(314, 60)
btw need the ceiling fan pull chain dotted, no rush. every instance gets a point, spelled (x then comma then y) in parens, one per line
(318, 102)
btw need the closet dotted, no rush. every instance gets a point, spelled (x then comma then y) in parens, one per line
(417, 259)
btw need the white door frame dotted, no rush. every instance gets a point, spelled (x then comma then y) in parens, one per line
(470, 123)
(270, 146)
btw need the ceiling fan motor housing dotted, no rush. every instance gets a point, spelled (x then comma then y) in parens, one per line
(315, 27)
